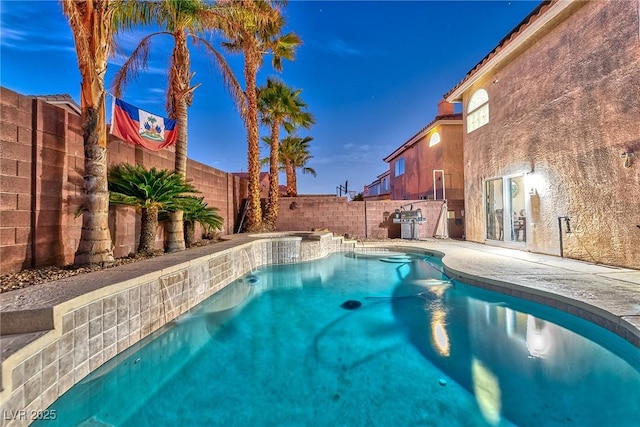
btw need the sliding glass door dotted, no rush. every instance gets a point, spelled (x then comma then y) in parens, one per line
(505, 210)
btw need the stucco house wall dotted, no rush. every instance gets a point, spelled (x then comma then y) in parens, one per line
(563, 107)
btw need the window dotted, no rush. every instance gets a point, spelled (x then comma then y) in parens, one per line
(435, 139)
(385, 184)
(399, 166)
(477, 110)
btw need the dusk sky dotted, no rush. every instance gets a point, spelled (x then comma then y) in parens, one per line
(371, 72)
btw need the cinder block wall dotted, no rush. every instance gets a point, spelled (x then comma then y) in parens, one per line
(358, 219)
(41, 182)
(321, 212)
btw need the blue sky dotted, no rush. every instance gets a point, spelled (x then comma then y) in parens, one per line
(371, 72)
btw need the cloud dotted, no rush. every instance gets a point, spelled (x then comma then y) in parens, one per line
(128, 40)
(351, 155)
(161, 46)
(340, 47)
(18, 32)
(151, 99)
(119, 59)
(11, 35)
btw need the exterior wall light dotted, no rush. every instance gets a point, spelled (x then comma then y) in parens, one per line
(628, 157)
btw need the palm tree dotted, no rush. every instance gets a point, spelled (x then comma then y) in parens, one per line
(91, 25)
(294, 154)
(182, 20)
(197, 211)
(149, 191)
(254, 28)
(279, 105)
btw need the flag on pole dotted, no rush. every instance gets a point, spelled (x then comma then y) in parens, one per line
(136, 126)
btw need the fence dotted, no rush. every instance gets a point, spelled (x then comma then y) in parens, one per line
(41, 183)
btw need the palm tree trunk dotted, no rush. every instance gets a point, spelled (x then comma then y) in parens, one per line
(95, 246)
(274, 185)
(294, 182)
(189, 233)
(148, 228)
(90, 23)
(254, 215)
(174, 232)
(181, 94)
(290, 172)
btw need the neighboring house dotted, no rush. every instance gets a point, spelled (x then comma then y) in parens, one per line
(378, 189)
(429, 166)
(552, 134)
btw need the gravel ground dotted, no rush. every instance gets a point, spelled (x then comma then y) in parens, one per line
(30, 277)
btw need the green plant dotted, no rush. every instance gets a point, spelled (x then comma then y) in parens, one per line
(279, 105)
(183, 21)
(150, 191)
(197, 211)
(254, 28)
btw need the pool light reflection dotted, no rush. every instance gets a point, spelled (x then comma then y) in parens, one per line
(539, 340)
(439, 334)
(487, 392)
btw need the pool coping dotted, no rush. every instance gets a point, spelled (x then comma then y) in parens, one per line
(43, 364)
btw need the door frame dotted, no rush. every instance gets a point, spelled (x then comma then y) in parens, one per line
(507, 234)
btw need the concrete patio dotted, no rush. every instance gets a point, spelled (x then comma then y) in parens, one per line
(55, 333)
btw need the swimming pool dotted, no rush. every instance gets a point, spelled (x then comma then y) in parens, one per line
(277, 349)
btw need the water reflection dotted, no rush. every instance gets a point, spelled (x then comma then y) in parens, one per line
(487, 391)
(439, 333)
(519, 365)
(539, 338)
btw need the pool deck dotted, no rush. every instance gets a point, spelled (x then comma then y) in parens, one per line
(595, 292)
(54, 334)
(592, 291)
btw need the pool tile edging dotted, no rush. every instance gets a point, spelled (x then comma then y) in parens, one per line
(92, 328)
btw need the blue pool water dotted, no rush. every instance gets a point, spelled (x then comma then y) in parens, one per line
(277, 349)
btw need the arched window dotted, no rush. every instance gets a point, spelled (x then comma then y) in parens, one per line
(477, 110)
(435, 139)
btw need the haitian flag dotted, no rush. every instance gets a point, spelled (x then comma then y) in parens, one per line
(136, 126)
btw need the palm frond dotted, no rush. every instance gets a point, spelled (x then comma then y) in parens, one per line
(136, 186)
(228, 78)
(136, 63)
(196, 210)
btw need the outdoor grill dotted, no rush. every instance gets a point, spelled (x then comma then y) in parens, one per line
(408, 221)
